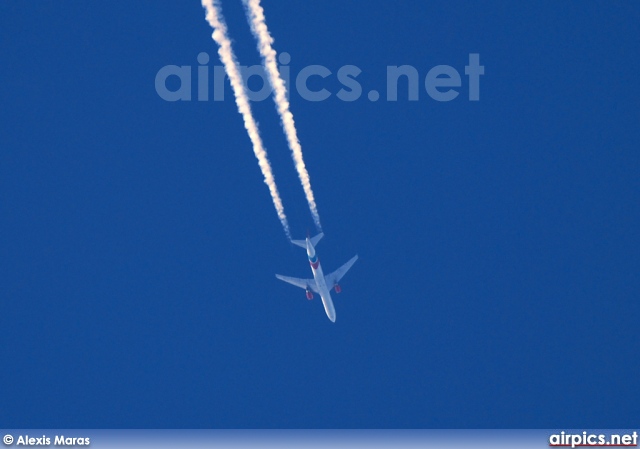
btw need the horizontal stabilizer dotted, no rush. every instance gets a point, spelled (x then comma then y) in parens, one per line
(303, 243)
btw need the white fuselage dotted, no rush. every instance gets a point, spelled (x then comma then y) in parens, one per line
(321, 283)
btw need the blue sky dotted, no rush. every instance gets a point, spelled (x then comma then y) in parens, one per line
(498, 239)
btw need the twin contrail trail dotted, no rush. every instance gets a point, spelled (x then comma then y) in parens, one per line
(255, 15)
(216, 20)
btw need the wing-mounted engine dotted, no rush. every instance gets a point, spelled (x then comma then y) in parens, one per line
(309, 294)
(337, 287)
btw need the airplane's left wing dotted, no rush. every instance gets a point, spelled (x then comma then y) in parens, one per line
(302, 283)
(335, 277)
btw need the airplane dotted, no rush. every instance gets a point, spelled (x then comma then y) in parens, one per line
(320, 283)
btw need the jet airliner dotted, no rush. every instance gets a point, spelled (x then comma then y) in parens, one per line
(320, 283)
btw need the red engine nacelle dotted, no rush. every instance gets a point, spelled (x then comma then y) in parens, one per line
(309, 295)
(338, 288)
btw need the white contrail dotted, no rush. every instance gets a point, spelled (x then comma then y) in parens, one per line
(255, 15)
(228, 58)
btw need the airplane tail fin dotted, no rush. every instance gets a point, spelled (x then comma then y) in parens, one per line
(303, 243)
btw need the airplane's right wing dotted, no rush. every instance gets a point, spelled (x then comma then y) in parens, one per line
(302, 283)
(335, 277)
